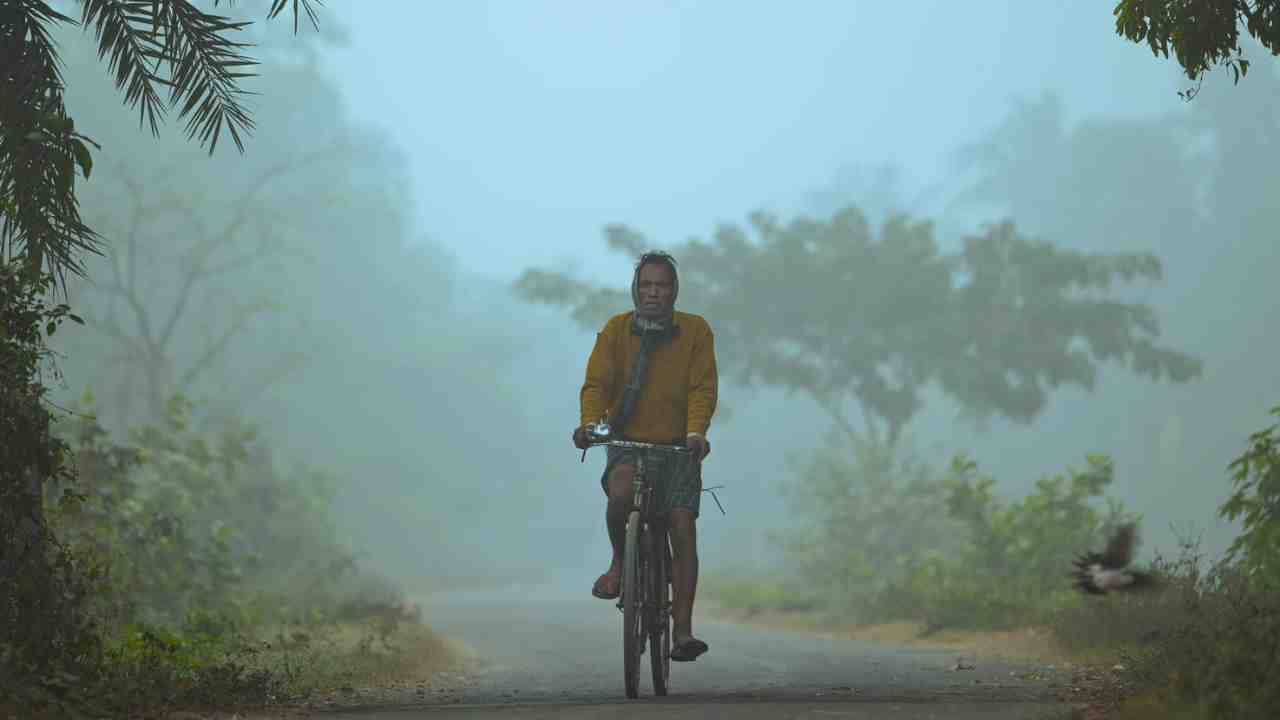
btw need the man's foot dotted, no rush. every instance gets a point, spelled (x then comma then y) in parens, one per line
(608, 585)
(687, 649)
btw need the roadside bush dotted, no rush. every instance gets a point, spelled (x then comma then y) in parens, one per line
(1008, 565)
(889, 538)
(1217, 652)
(866, 526)
(46, 641)
(1255, 502)
(216, 575)
(205, 528)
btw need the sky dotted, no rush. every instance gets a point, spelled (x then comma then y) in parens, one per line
(529, 126)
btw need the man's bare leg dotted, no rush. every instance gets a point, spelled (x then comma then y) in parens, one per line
(620, 492)
(684, 573)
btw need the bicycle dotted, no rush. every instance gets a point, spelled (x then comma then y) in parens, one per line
(645, 600)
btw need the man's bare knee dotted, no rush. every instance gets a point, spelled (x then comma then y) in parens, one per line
(684, 533)
(619, 482)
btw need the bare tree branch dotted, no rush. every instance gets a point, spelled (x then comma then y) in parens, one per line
(212, 252)
(841, 420)
(241, 321)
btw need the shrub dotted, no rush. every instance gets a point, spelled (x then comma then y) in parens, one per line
(867, 522)
(45, 638)
(1255, 501)
(204, 528)
(1214, 643)
(888, 538)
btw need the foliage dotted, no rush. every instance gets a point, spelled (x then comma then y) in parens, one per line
(1205, 641)
(208, 241)
(1209, 641)
(1007, 565)
(891, 539)
(204, 527)
(865, 523)
(40, 148)
(1202, 33)
(1255, 501)
(40, 153)
(206, 574)
(1195, 186)
(827, 308)
(43, 635)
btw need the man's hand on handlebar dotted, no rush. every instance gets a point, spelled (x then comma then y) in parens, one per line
(700, 446)
(584, 436)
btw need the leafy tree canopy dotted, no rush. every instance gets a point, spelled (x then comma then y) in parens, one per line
(1202, 33)
(838, 311)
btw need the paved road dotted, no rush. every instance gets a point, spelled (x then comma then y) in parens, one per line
(555, 654)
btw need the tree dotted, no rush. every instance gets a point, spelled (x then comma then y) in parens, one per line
(1202, 33)
(41, 152)
(145, 45)
(171, 273)
(1196, 187)
(826, 308)
(36, 619)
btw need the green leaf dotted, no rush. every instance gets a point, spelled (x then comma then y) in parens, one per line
(83, 158)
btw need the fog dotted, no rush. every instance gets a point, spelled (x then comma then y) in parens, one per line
(433, 152)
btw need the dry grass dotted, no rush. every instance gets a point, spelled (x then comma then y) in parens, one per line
(356, 655)
(1025, 644)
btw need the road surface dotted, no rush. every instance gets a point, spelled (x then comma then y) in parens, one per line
(556, 654)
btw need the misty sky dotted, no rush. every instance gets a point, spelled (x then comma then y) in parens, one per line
(529, 125)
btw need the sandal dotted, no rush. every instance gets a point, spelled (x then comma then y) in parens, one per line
(607, 586)
(689, 650)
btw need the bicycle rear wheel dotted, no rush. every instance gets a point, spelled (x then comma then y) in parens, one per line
(632, 597)
(659, 591)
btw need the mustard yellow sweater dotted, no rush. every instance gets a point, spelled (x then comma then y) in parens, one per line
(679, 395)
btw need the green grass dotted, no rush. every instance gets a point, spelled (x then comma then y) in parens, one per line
(146, 672)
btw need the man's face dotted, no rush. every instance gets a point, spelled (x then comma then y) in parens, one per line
(656, 289)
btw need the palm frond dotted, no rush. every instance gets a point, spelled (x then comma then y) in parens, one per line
(205, 70)
(277, 6)
(204, 65)
(40, 151)
(126, 30)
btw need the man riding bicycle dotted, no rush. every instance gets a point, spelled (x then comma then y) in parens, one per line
(670, 401)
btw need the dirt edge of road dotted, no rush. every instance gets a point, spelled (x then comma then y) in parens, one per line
(1092, 689)
(1031, 645)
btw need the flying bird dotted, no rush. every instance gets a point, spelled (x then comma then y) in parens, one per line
(1099, 574)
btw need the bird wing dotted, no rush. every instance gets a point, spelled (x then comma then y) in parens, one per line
(1084, 575)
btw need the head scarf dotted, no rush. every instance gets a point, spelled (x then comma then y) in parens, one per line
(652, 333)
(653, 257)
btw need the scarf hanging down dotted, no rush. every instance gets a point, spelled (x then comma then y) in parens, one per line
(652, 333)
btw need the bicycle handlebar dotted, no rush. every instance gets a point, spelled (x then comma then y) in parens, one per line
(637, 445)
(601, 434)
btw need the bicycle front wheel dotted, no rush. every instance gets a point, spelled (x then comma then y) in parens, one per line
(659, 591)
(632, 599)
